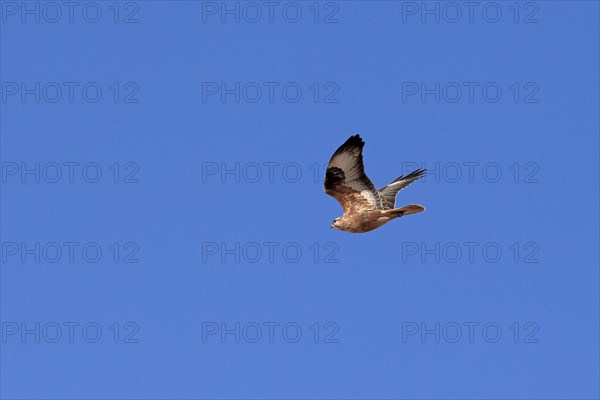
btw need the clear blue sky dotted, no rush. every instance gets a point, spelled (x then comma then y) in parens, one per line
(164, 228)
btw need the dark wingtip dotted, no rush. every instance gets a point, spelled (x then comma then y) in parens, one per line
(416, 174)
(353, 141)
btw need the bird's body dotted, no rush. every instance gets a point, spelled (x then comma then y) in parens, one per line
(365, 207)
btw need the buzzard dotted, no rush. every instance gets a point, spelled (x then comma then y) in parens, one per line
(365, 208)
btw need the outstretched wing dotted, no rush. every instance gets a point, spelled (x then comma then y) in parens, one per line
(345, 179)
(389, 192)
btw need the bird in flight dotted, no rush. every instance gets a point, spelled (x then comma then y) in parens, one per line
(365, 207)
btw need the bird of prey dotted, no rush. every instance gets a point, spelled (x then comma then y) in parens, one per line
(365, 207)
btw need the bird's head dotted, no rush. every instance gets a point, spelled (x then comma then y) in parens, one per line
(336, 224)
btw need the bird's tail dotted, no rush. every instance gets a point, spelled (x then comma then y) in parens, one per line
(406, 210)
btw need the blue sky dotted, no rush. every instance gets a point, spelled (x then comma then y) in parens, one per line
(164, 228)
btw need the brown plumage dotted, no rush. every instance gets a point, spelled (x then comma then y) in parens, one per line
(365, 207)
